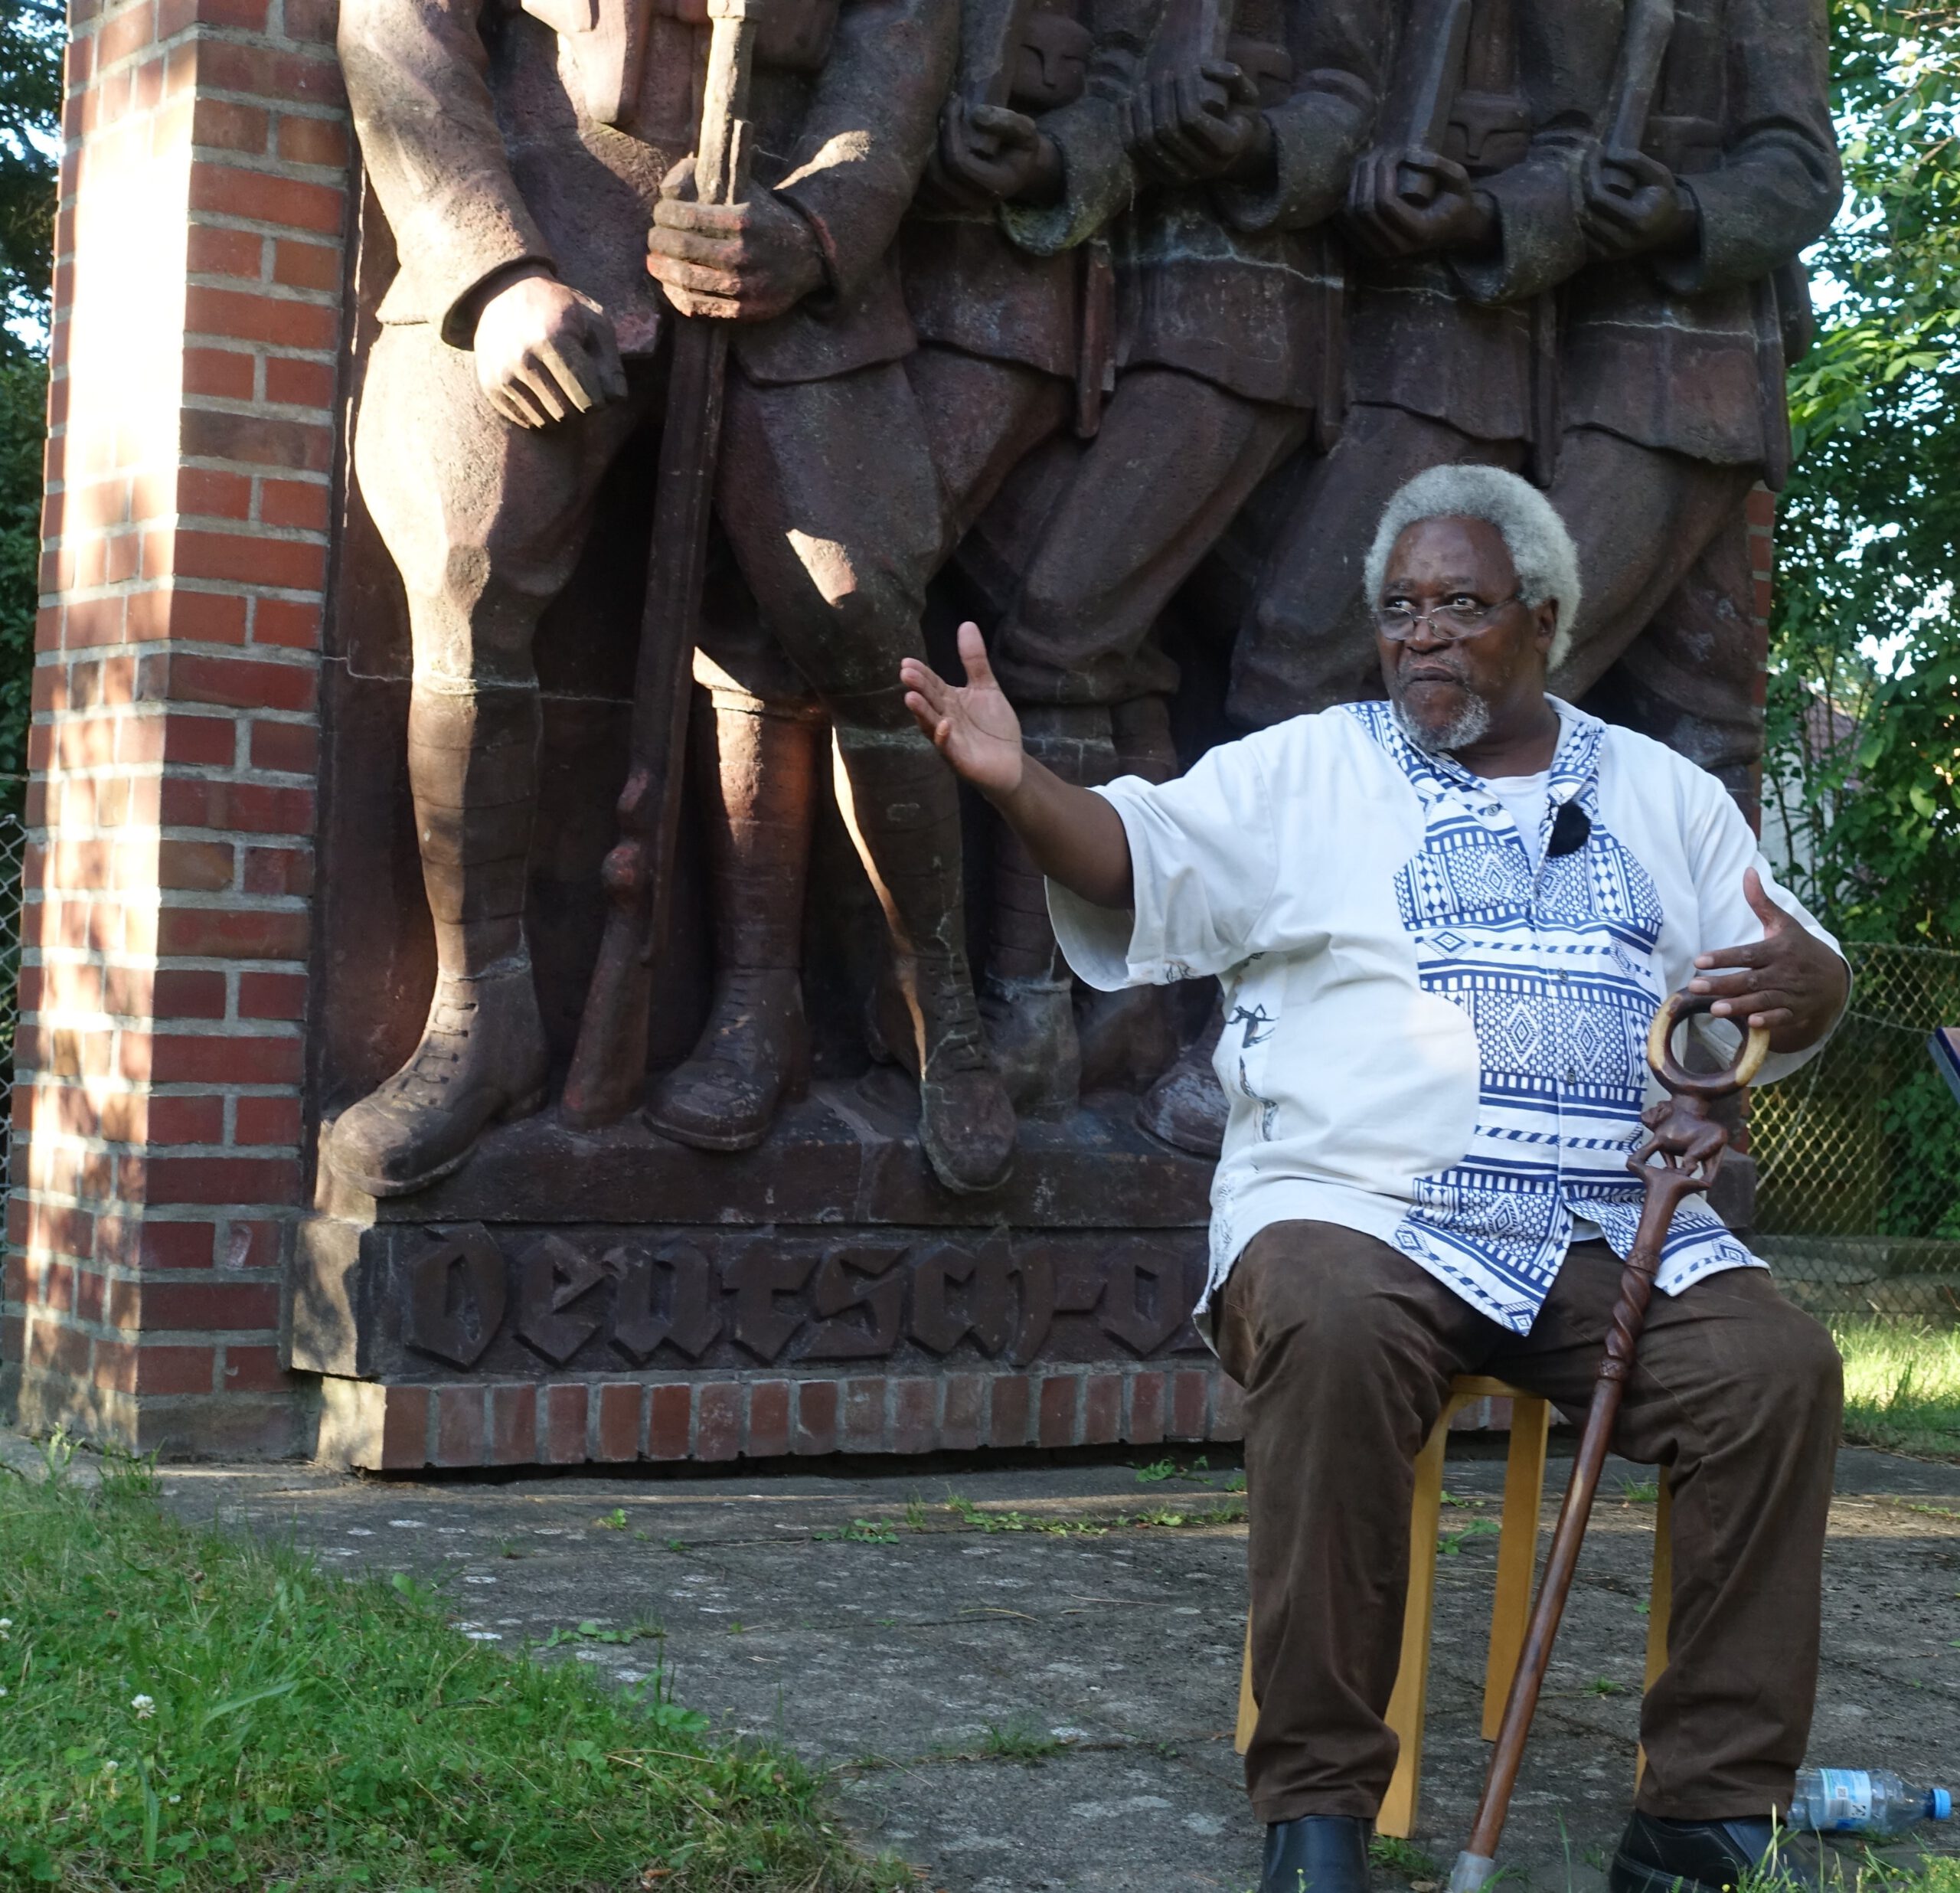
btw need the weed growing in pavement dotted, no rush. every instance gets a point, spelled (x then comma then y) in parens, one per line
(862, 1531)
(591, 1631)
(613, 1521)
(1605, 1686)
(186, 1712)
(1020, 1741)
(980, 1519)
(1640, 1491)
(1452, 1543)
(1403, 1857)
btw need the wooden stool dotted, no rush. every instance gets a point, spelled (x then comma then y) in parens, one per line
(1511, 1609)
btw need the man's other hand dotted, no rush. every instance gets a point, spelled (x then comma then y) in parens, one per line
(1631, 204)
(744, 263)
(1413, 202)
(976, 727)
(543, 350)
(991, 154)
(1195, 126)
(1791, 983)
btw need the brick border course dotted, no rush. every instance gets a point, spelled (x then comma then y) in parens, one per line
(723, 1419)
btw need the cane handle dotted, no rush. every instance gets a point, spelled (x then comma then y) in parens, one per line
(1706, 1085)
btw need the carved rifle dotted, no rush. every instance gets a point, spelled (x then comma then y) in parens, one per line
(608, 1064)
(1644, 36)
(1439, 40)
(1645, 32)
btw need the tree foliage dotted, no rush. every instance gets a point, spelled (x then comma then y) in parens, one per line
(1864, 699)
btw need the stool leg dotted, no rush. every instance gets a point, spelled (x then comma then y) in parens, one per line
(1406, 1707)
(1660, 1599)
(1517, 1552)
(1242, 1736)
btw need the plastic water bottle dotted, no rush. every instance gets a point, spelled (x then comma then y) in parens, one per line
(1873, 1801)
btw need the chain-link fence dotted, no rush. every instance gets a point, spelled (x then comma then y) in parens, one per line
(1858, 1154)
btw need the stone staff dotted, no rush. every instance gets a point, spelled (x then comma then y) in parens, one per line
(608, 1064)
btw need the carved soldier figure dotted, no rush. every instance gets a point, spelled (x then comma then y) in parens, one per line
(1460, 210)
(496, 398)
(1675, 342)
(1008, 274)
(1008, 355)
(1464, 235)
(1226, 336)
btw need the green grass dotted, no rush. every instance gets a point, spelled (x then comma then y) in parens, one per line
(183, 1710)
(1902, 1386)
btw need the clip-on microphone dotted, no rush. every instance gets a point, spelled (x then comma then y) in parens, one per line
(1570, 827)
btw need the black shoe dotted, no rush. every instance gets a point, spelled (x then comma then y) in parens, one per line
(1657, 1855)
(1317, 1853)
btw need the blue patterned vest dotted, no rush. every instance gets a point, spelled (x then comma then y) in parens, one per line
(1551, 959)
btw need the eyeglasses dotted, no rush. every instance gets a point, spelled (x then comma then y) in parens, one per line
(1461, 618)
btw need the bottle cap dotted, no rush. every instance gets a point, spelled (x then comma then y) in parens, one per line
(1942, 1804)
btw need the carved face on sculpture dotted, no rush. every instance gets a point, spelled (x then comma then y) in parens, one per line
(1461, 654)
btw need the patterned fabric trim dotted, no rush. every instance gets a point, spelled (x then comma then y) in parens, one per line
(1552, 962)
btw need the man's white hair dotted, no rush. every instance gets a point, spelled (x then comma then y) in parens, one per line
(1540, 548)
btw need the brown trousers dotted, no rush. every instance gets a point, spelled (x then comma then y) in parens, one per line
(1345, 1349)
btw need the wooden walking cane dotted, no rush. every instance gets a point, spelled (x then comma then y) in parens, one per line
(1690, 1146)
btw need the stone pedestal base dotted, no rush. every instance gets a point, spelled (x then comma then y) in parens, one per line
(821, 1294)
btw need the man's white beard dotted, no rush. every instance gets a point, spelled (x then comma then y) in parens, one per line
(1468, 724)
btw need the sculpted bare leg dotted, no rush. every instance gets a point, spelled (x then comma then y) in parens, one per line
(484, 520)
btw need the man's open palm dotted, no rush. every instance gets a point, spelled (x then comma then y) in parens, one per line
(974, 727)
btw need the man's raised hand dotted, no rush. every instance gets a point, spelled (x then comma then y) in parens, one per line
(974, 726)
(1790, 983)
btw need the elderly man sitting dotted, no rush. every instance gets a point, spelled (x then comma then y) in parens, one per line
(1442, 924)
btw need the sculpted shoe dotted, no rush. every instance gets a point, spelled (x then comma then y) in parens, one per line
(1030, 1032)
(482, 1059)
(1657, 1855)
(966, 1125)
(1127, 1038)
(1186, 1106)
(753, 1054)
(1317, 1853)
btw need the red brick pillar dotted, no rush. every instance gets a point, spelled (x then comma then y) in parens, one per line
(157, 1170)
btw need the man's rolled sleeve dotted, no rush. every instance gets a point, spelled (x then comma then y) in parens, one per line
(1203, 865)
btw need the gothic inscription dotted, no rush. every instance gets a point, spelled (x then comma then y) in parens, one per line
(473, 1301)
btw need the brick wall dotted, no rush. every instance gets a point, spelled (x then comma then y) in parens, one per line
(157, 1169)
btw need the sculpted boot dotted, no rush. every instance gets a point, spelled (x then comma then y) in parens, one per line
(1128, 1038)
(1028, 998)
(473, 769)
(1186, 1106)
(757, 768)
(902, 803)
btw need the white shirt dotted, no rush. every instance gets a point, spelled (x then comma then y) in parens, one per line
(1435, 1032)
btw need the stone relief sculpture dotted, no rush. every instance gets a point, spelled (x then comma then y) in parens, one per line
(1034, 301)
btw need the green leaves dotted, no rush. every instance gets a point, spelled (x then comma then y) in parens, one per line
(1862, 778)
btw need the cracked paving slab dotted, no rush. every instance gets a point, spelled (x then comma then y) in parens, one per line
(1050, 1710)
